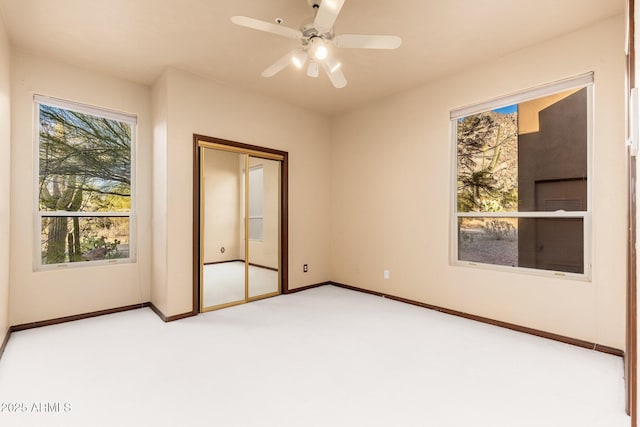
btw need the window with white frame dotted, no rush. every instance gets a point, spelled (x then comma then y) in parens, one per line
(523, 180)
(84, 184)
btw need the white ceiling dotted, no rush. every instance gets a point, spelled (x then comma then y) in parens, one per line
(137, 39)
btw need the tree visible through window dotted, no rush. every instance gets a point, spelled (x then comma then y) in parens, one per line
(84, 185)
(522, 173)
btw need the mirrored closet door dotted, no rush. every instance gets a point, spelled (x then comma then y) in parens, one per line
(241, 224)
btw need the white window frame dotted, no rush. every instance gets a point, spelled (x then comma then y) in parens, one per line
(585, 80)
(131, 119)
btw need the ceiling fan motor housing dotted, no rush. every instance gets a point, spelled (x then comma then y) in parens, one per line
(309, 31)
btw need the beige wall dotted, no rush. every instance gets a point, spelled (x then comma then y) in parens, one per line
(42, 295)
(222, 216)
(5, 175)
(196, 105)
(392, 194)
(159, 111)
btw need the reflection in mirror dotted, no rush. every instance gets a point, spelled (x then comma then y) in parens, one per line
(223, 272)
(240, 242)
(264, 226)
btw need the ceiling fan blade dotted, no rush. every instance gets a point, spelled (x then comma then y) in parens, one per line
(336, 76)
(362, 41)
(268, 27)
(279, 65)
(327, 14)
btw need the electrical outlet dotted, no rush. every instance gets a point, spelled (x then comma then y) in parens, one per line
(386, 274)
(305, 268)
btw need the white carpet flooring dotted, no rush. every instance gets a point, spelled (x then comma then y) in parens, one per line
(322, 357)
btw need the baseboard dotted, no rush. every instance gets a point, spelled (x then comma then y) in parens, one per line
(98, 313)
(242, 261)
(556, 337)
(306, 288)
(263, 266)
(222, 262)
(157, 311)
(514, 327)
(5, 341)
(75, 317)
(165, 318)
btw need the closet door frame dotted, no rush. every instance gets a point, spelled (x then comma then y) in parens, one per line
(200, 141)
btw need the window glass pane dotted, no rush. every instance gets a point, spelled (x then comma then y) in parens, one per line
(487, 146)
(527, 157)
(551, 244)
(84, 162)
(555, 244)
(76, 239)
(488, 240)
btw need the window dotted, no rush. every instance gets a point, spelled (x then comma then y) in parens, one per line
(256, 203)
(522, 180)
(84, 186)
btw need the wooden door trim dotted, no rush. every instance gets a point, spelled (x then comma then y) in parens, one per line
(630, 360)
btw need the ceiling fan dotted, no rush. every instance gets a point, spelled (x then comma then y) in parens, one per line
(316, 40)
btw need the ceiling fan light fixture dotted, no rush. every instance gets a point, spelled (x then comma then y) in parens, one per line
(318, 49)
(313, 70)
(299, 58)
(321, 52)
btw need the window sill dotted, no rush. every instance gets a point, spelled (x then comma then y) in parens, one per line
(584, 277)
(84, 264)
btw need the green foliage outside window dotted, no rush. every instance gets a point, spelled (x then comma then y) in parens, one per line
(488, 162)
(84, 167)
